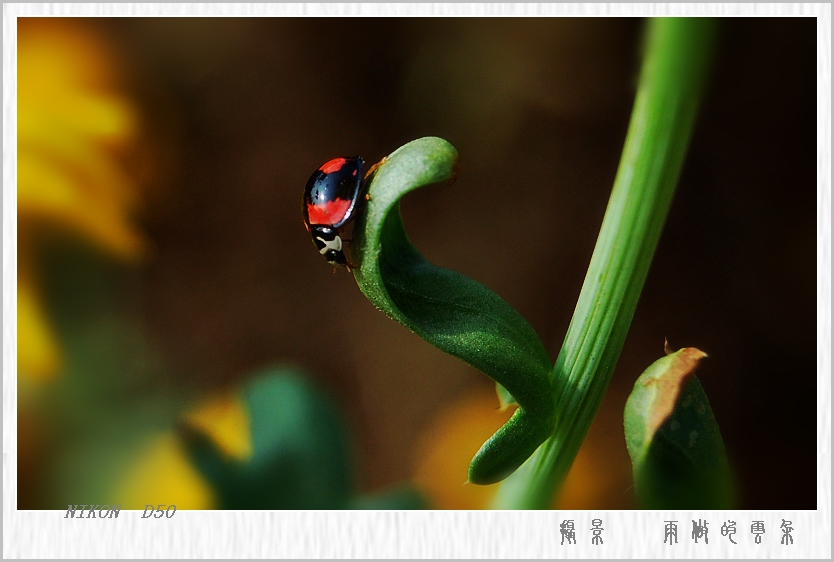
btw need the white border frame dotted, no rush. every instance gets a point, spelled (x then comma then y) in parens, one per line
(428, 534)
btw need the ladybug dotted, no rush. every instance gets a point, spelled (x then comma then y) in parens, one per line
(329, 203)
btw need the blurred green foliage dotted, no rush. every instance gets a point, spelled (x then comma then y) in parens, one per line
(300, 457)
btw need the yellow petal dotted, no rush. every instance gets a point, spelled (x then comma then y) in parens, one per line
(163, 474)
(49, 194)
(96, 172)
(62, 51)
(105, 118)
(37, 352)
(226, 421)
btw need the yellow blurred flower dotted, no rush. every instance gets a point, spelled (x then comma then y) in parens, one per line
(448, 446)
(162, 471)
(596, 479)
(37, 354)
(225, 421)
(75, 132)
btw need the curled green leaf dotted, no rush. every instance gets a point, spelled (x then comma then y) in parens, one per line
(451, 311)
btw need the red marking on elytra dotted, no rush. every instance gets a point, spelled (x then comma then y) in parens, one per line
(333, 165)
(329, 212)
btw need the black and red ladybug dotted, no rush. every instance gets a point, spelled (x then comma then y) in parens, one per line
(330, 200)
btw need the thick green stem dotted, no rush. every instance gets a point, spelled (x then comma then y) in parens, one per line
(671, 80)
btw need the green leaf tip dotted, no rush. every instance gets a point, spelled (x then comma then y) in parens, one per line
(673, 439)
(505, 399)
(451, 311)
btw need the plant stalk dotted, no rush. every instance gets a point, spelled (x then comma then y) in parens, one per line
(674, 69)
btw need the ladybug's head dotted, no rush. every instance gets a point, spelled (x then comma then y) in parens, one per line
(336, 257)
(329, 244)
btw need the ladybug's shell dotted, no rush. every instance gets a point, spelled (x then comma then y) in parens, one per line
(332, 191)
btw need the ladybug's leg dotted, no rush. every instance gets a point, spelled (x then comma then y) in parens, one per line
(348, 265)
(345, 240)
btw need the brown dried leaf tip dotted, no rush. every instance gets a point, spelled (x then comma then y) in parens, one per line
(670, 383)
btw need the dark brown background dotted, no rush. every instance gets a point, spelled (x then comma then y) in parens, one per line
(241, 111)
